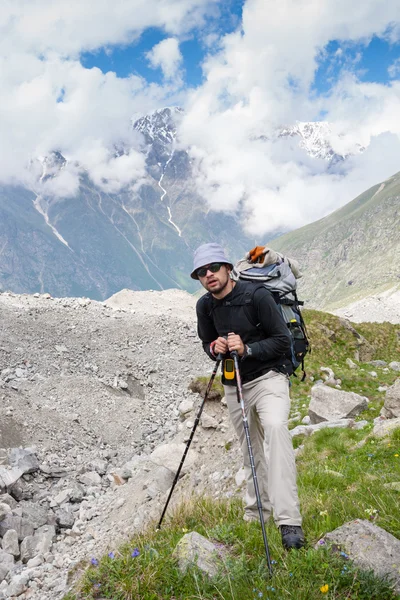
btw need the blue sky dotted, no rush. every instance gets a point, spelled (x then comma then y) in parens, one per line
(127, 60)
(369, 60)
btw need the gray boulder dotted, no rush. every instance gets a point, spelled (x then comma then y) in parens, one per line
(10, 542)
(22, 526)
(394, 365)
(391, 407)
(370, 547)
(33, 545)
(330, 404)
(170, 455)
(9, 476)
(34, 513)
(384, 427)
(194, 549)
(6, 564)
(341, 424)
(24, 459)
(4, 510)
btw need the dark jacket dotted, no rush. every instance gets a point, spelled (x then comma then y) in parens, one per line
(250, 311)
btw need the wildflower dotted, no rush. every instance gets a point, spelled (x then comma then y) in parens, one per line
(184, 530)
(344, 555)
(324, 588)
(396, 455)
(94, 561)
(135, 553)
(111, 555)
(323, 513)
(321, 542)
(273, 562)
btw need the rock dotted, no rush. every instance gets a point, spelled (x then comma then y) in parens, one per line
(9, 476)
(170, 455)
(20, 525)
(329, 376)
(24, 459)
(394, 365)
(373, 374)
(99, 466)
(240, 477)
(4, 510)
(378, 363)
(208, 422)
(64, 518)
(330, 404)
(90, 479)
(7, 499)
(385, 427)
(393, 485)
(351, 364)
(34, 513)
(33, 545)
(306, 420)
(194, 549)
(391, 406)
(17, 585)
(62, 497)
(370, 547)
(6, 563)
(185, 407)
(310, 429)
(10, 542)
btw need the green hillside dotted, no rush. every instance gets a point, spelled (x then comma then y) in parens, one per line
(351, 253)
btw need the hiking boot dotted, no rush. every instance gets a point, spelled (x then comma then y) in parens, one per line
(292, 536)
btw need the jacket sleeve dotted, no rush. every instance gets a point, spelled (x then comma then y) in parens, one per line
(205, 325)
(277, 340)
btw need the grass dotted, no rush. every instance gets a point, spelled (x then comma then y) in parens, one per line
(338, 482)
(343, 475)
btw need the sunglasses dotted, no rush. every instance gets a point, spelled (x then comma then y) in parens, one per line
(214, 268)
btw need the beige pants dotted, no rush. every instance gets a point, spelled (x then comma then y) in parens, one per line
(267, 405)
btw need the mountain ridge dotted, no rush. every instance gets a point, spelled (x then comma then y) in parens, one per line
(351, 253)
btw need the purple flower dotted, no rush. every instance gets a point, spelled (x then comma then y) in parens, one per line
(135, 553)
(111, 555)
(94, 561)
(321, 542)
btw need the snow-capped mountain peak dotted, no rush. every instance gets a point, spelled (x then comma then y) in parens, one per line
(320, 140)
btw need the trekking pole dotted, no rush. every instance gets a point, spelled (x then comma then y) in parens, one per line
(235, 357)
(219, 358)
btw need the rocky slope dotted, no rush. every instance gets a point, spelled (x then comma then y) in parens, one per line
(94, 416)
(352, 253)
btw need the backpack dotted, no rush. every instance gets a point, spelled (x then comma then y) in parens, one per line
(279, 275)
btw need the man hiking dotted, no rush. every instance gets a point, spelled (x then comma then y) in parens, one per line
(225, 325)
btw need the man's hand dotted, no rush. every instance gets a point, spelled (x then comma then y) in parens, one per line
(220, 346)
(235, 343)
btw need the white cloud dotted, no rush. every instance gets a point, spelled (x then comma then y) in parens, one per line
(394, 69)
(166, 56)
(49, 101)
(262, 79)
(257, 79)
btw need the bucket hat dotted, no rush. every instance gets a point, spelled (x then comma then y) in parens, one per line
(206, 254)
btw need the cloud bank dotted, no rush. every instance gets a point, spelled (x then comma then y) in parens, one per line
(256, 80)
(262, 79)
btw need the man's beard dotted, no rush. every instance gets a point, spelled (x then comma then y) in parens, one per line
(216, 290)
